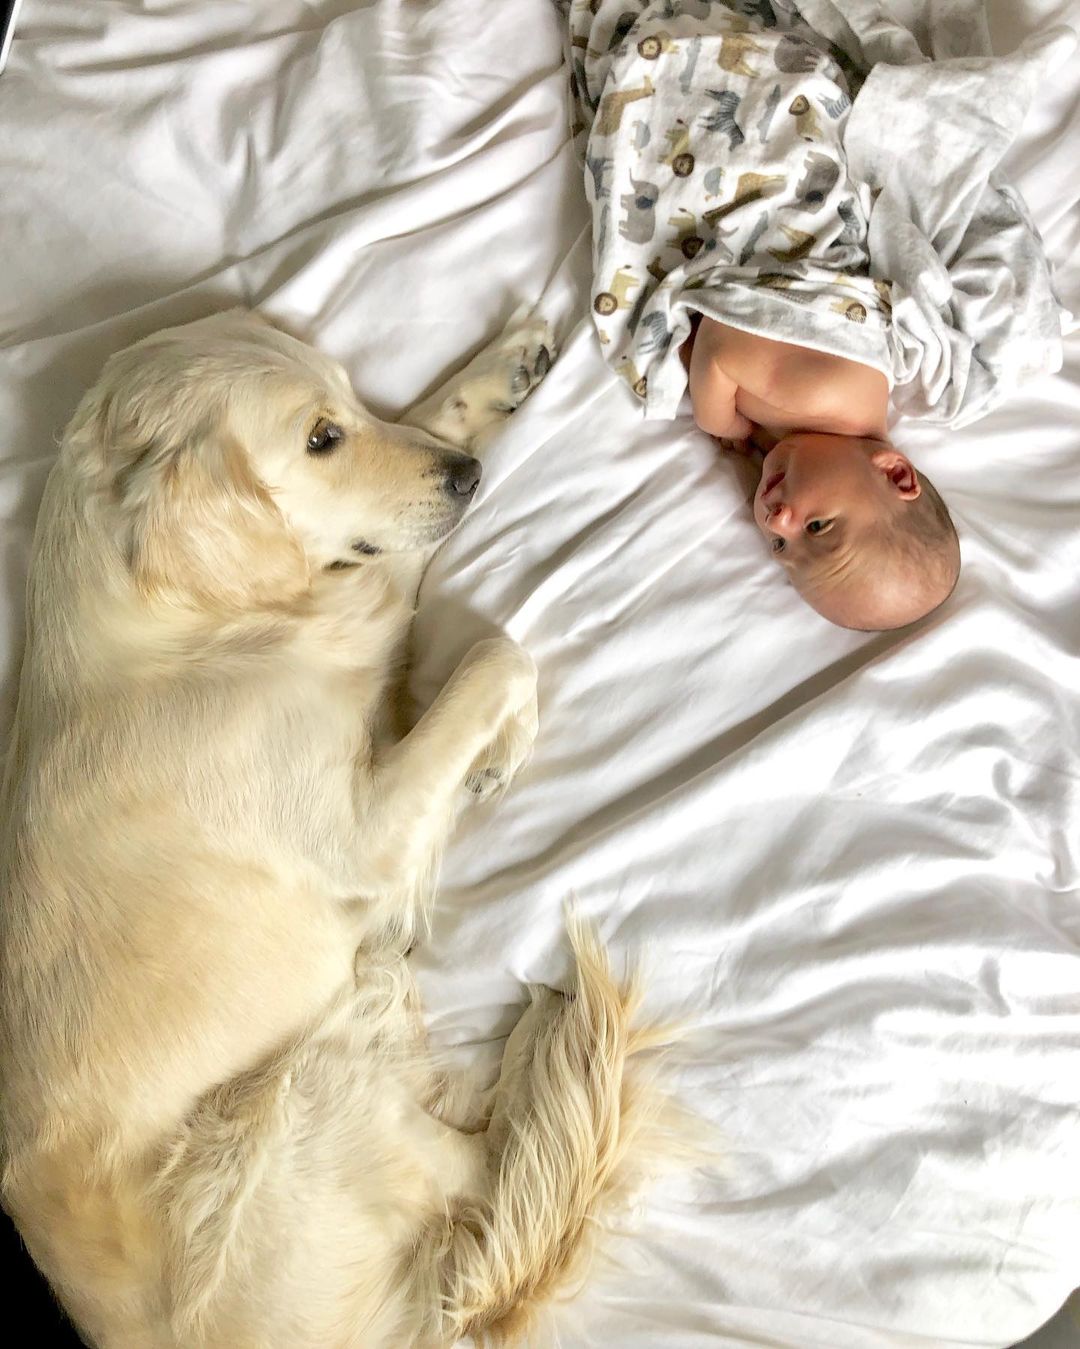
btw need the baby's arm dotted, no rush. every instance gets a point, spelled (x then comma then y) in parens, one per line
(712, 393)
(780, 386)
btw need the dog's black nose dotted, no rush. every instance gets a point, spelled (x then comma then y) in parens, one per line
(463, 476)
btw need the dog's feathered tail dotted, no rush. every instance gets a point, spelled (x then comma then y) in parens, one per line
(571, 1135)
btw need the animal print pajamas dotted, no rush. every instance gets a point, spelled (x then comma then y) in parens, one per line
(718, 182)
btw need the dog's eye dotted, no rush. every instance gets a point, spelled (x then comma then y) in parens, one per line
(325, 435)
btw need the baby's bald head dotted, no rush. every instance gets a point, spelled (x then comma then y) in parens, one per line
(865, 539)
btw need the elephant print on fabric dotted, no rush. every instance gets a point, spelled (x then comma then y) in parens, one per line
(821, 173)
(638, 224)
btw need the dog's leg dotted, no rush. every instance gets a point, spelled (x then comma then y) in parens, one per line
(483, 723)
(458, 1099)
(395, 1020)
(492, 386)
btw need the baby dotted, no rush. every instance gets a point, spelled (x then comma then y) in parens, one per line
(863, 537)
(732, 202)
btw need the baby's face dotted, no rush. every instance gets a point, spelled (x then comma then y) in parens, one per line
(820, 500)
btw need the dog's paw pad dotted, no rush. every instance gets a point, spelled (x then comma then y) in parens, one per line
(498, 381)
(521, 382)
(528, 353)
(534, 366)
(507, 754)
(485, 782)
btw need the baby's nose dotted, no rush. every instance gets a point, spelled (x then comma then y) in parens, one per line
(782, 520)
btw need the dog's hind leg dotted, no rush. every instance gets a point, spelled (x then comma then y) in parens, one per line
(459, 1098)
(456, 1096)
(291, 1193)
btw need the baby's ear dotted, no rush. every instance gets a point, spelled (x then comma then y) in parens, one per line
(899, 471)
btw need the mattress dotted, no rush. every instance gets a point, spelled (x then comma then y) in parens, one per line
(847, 864)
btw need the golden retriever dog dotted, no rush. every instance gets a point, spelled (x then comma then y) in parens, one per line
(220, 1124)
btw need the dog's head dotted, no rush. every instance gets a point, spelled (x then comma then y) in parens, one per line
(239, 461)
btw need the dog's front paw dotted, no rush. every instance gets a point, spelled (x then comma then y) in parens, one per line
(520, 360)
(508, 753)
(496, 383)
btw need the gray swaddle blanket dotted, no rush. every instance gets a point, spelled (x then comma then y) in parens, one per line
(824, 174)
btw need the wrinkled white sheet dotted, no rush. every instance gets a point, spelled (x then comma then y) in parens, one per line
(849, 862)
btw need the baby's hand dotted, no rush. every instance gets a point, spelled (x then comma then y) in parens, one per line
(762, 440)
(745, 447)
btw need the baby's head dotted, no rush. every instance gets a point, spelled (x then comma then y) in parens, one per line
(865, 540)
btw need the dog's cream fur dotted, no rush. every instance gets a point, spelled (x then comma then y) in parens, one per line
(219, 1123)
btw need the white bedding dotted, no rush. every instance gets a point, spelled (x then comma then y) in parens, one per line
(850, 863)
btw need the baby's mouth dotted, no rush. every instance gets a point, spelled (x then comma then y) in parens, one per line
(771, 483)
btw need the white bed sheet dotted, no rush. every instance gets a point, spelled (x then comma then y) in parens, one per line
(850, 863)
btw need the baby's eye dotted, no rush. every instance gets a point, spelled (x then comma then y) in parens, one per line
(778, 545)
(818, 526)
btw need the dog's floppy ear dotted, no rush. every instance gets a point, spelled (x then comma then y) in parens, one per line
(203, 528)
(195, 523)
